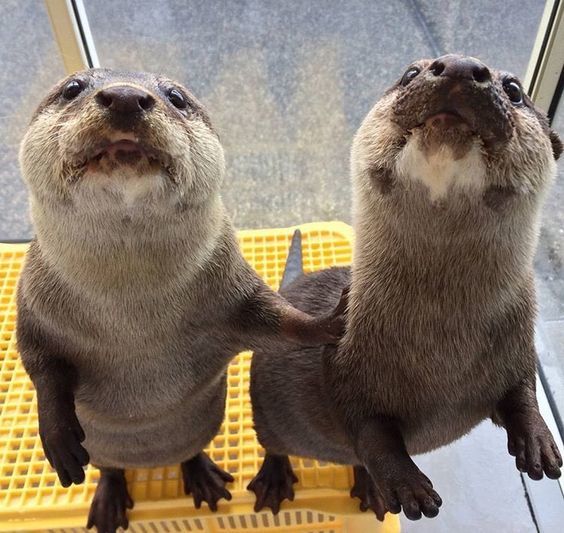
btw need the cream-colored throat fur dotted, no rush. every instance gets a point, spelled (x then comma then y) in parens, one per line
(124, 187)
(440, 170)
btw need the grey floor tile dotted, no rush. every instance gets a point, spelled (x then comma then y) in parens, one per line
(480, 486)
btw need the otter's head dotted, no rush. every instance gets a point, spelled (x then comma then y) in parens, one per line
(103, 139)
(455, 124)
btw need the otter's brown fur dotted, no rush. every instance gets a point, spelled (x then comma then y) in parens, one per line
(135, 296)
(448, 177)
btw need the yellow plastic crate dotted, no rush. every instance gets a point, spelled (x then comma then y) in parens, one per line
(31, 499)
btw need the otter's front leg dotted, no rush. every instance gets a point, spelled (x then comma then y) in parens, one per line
(54, 378)
(266, 317)
(528, 438)
(59, 429)
(380, 446)
(313, 331)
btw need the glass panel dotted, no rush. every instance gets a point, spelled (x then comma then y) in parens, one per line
(287, 83)
(30, 65)
(550, 279)
(550, 256)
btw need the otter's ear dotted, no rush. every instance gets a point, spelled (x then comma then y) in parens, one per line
(556, 144)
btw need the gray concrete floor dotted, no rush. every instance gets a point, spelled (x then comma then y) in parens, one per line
(287, 84)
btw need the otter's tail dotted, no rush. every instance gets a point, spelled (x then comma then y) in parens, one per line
(294, 263)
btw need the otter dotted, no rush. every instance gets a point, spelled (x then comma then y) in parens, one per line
(134, 295)
(449, 170)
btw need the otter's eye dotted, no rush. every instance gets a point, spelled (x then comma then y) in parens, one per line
(177, 99)
(514, 91)
(409, 75)
(72, 89)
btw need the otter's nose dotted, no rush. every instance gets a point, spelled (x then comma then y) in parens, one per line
(463, 68)
(125, 99)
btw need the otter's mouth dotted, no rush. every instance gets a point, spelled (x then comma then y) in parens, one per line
(446, 119)
(119, 150)
(446, 124)
(126, 149)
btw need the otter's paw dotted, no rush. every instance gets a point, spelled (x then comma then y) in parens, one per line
(108, 510)
(529, 440)
(205, 481)
(404, 486)
(273, 483)
(333, 323)
(61, 436)
(365, 489)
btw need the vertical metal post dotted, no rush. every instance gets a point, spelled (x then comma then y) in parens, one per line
(72, 33)
(544, 79)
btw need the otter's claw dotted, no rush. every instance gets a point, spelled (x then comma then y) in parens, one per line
(409, 489)
(529, 440)
(365, 489)
(108, 510)
(205, 481)
(273, 483)
(61, 436)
